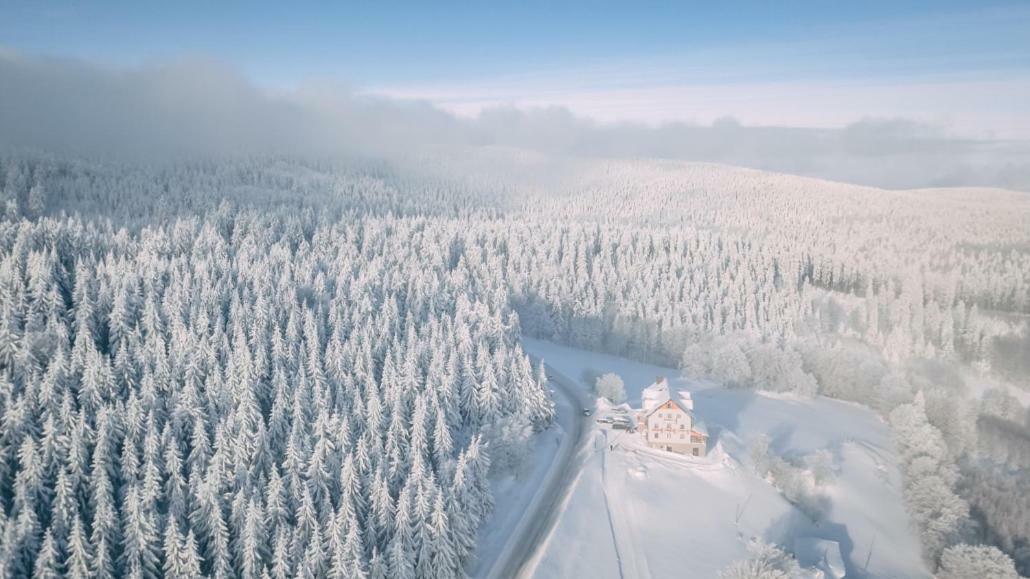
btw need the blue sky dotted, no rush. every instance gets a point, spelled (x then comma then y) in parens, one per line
(962, 65)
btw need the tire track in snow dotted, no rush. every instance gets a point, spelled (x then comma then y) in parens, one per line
(636, 560)
(664, 457)
(608, 506)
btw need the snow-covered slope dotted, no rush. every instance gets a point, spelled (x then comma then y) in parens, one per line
(636, 512)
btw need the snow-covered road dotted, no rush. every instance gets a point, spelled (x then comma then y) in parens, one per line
(522, 550)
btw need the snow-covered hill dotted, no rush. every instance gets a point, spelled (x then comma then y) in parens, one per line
(290, 318)
(642, 513)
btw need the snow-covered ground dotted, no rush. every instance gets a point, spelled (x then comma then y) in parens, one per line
(637, 512)
(528, 502)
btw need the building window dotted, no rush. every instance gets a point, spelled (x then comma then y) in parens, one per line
(682, 435)
(697, 452)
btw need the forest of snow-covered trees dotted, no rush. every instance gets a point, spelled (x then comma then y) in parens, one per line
(912, 303)
(298, 368)
(248, 393)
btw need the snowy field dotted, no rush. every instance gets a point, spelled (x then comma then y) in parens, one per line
(636, 512)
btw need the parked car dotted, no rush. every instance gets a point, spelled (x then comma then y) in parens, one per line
(587, 412)
(605, 419)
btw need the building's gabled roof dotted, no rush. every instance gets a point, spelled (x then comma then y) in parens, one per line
(658, 393)
(655, 396)
(679, 404)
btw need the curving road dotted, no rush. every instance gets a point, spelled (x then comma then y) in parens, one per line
(519, 555)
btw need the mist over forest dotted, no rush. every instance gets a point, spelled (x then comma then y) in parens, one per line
(199, 107)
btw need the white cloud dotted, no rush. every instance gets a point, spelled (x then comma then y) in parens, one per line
(965, 70)
(970, 106)
(200, 108)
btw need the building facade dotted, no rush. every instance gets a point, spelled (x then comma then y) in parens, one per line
(667, 422)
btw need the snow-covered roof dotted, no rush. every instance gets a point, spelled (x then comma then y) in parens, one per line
(658, 393)
(678, 403)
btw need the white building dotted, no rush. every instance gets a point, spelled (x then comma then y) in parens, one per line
(666, 421)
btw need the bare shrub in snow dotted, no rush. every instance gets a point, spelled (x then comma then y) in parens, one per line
(611, 387)
(795, 482)
(765, 561)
